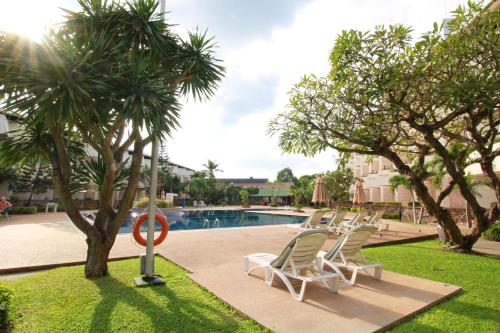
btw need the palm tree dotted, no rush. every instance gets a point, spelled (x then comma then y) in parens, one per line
(398, 180)
(211, 168)
(108, 72)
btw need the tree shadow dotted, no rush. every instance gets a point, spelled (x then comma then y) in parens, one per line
(172, 313)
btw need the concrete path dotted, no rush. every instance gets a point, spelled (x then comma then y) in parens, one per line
(50, 238)
(215, 260)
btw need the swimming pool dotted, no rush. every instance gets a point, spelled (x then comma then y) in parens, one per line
(209, 219)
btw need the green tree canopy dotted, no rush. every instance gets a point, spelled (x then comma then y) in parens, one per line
(111, 76)
(409, 101)
(286, 176)
(211, 167)
(338, 182)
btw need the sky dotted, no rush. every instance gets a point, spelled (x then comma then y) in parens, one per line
(266, 47)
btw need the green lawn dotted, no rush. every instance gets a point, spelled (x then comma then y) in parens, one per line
(476, 309)
(61, 300)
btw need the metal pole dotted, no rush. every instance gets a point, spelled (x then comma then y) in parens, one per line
(149, 269)
(152, 209)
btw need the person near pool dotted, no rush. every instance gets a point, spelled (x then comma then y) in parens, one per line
(5, 206)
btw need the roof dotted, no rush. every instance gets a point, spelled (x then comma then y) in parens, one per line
(273, 192)
(148, 157)
(243, 180)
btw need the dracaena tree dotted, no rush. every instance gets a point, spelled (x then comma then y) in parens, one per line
(411, 102)
(110, 76)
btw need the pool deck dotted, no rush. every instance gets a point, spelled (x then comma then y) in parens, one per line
(214, 259)
(216, 263)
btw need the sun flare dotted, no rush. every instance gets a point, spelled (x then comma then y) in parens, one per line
(30, 18)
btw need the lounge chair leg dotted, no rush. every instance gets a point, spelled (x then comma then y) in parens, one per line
(245, 264)
(378, 273)
(292, 291)
(268, 276)
(302, 292)
(332, 286)
(353, 276)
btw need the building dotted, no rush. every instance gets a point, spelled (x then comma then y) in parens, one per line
(9, 123)
(260, 183)
(267, 190)
(376, 171)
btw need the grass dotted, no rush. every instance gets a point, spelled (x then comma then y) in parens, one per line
(476, 309)
(62, 300)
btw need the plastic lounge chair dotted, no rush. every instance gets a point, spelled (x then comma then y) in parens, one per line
(356, 221)
(375, 219)
(5, 213)
(335, 222)
(298, 257)
(311, 223)
(346, 254)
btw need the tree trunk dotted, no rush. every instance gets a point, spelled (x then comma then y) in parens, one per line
(413, 206)
(421, 214)
(96, 264)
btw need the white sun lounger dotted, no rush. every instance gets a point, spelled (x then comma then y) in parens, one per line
(346, 254)
(335, 222)
(356, 221)
(297, 258)
(375, 219)
(311, 223)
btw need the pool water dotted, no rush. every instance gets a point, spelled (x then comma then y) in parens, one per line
(207, 219)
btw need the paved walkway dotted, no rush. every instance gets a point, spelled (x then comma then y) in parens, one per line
(214, 258)
(50, 239)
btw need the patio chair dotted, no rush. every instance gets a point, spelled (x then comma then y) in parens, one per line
(375, 220)
(356, 221)
(311, 223)
(346, 254)
(5, 213)
(335, 222)
(298, 257)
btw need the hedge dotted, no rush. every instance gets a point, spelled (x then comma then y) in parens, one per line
(5, 297)
(493, 233)
(143, 203)
(391, 216)
(24, 210)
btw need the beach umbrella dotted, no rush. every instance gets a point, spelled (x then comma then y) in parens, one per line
(359, 193)
(319, 194)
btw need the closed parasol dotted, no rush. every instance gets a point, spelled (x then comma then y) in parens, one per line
(359, 194)
(319, 194)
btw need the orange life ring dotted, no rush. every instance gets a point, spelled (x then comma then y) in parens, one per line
(137, 229)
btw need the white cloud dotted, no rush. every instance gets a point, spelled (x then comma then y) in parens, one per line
(243, 149)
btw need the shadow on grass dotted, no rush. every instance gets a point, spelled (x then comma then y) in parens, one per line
(167, 313)
(416, 328)
(473, 311)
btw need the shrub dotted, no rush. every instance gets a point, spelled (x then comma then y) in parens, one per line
(389, 203)
(24, 210)
(5, 297)
(144, 202)
(244, 195)
(417, 204)
(493, 233)
(391, 216)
